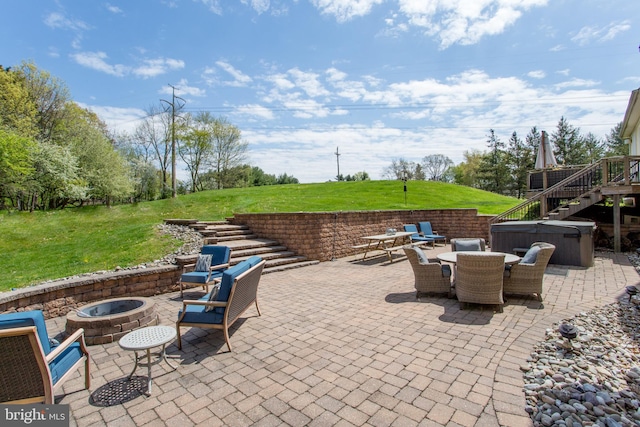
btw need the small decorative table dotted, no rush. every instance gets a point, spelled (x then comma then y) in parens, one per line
(146, 339)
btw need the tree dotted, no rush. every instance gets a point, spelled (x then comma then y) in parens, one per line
(400, 169)
(17, 108)
(228, 151)
(154, 134)
(594, 147)
(196, 145)
(435, 166)
(466, 173)
(50, 96)
(519, 159)
(493, 173)
(16, 166)
(616, 146)
(570, 149)
(361, 176)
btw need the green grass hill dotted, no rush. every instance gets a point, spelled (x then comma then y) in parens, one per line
(41, 246)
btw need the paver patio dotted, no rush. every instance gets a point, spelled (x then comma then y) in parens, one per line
(345, 343)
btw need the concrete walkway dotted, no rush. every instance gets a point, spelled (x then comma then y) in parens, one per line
(345, 343)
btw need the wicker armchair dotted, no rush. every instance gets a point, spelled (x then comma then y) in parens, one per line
(430, 277)
(479, 279)
(465, 241)
(524, 279)
(32, 368)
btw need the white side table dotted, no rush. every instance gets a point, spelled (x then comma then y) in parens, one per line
(146, 339)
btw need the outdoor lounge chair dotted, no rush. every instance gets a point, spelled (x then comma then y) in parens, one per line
(431, 277)
(479, 279)
(33, 367)
(416, 237)
(526, 277)
(205, 273)
(219, 310)
(427, 231)
(467, 244)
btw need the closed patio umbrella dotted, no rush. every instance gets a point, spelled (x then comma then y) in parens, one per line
(545, 157)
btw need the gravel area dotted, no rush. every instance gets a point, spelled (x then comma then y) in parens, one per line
(594, 378)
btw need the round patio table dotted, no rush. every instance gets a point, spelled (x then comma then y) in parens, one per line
(453, 256)
(146, 339)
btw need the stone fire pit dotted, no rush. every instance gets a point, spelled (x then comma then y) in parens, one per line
(109, 320)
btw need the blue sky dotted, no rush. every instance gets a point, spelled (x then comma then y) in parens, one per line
(380, 79)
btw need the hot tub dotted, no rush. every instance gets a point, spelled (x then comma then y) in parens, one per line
(573, 239)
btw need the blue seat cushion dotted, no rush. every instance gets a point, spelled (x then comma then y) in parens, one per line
(446, 270)
(468, 245)
(198, 314)
(199, 276)
(65, 361)
(531, 256)
(28, 318)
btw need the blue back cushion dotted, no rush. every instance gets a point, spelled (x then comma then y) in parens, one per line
(468, 245)
(425, 227)
(28, 318)
(411, 228)
(220, 254)
(531, 255)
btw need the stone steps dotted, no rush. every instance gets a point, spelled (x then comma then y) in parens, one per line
(244, 244)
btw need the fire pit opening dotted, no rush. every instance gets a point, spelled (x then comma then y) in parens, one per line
(107, 321)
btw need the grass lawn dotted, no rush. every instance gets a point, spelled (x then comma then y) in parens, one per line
(41, 246)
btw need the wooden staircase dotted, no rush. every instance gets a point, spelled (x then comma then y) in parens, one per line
(244, 243)
(590, 185)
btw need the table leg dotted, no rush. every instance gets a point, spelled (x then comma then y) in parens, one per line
(149, 380)
(164, 356)
(134, 366)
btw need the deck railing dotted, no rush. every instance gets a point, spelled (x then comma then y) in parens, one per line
(621, 170)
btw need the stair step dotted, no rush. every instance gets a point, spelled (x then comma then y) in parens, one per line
(256, 251)
(283, 261)
(234, 233)
(240, 244)
(293, 265)
(270, 257)
(236, 237)
(227, 227)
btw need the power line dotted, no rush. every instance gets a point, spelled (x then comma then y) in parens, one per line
(172, 104)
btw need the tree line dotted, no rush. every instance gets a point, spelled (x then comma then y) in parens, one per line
(503, 168)
(55, 154)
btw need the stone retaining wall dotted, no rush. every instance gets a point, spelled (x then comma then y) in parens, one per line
(316, 235)
(326, 235)
(58, 298)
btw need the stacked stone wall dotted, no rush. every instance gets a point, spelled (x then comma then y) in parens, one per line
(327, 235)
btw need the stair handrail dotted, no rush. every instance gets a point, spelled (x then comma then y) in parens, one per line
(559, 185)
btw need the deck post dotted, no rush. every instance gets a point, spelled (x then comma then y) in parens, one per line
(616, 223)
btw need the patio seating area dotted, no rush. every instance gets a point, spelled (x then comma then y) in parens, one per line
(344, 343)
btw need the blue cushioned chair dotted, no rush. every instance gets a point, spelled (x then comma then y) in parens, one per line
(32, 368)
(416, 237)
(220, 256)
(427, 231)
(238, 290)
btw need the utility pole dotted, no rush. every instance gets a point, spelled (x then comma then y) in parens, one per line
(172, 104)
(338, 160)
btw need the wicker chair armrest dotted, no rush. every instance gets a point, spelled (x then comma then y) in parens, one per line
(76, 336)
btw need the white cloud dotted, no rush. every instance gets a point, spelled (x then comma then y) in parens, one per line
(156, 67)
(113, 9)
(182, 88)
(308, 82)
(345, 10)
(537, 74)
(464, 21)
(212, 5)
(149, 68)
(97, 61)
(58, 20)
(595, 34)
(118, 119)
(256, 110)
(239, 78)
(576, 83)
